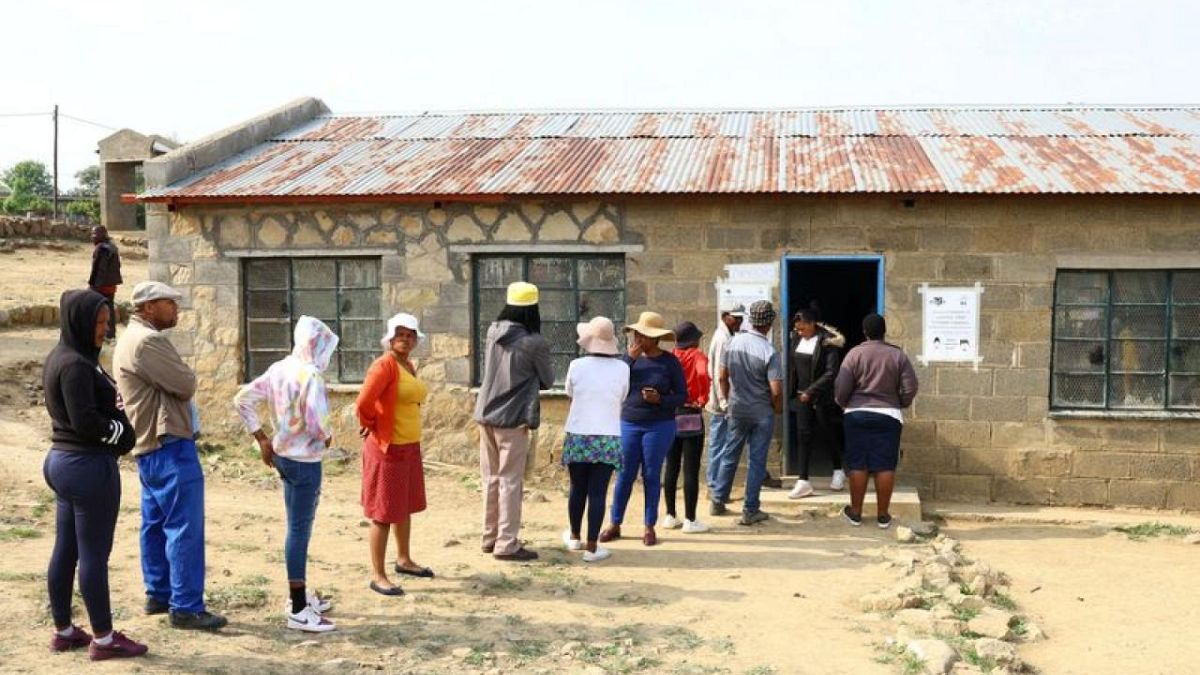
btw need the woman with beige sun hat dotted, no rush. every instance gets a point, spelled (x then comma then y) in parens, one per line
(656, 388)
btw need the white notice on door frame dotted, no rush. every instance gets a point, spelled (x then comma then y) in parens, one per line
(950, 323)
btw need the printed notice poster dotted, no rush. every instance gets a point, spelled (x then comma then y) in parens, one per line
(950, 325)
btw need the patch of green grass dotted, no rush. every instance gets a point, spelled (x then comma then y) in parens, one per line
(45, 499)
(910, 664)
(470, 482)
(696, 669)
(595, 654)
(502, 583)
(724, 646)
(235, 547)
(21, 576)
(972, 657)
(761, 670)
(1004, 602)
(1148, 530)
(238, 596)
(529, 649)
(256, 580)
(683, 638)
(636, 600)
(965, 613)
(1017, 626)
(477, 657)
(965, 589)
(19, 533)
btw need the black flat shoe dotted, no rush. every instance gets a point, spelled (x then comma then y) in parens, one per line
(393, 591)
(421, 572)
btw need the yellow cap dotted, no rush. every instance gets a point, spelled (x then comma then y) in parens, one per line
(522, 294)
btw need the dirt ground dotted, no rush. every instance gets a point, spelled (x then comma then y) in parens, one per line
(777, 598)
(39, 273)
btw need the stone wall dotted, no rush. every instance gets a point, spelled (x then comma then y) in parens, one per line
(973, 435)
(21, 226)
(199, 251)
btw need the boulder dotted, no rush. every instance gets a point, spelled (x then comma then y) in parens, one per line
(998, 651)
(920, 620)
(938, 656)
(991, 623)
(905, 535)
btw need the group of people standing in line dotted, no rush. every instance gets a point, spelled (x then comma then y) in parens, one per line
(630, 413)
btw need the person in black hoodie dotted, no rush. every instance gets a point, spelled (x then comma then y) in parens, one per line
(816, 358)
(89, 431)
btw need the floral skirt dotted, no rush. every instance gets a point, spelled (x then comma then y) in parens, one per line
(592, 450)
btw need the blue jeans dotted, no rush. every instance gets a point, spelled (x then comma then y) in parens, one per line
(718, 437)
(173, 525)
(301, 494)
(644, 446)
(756, 432)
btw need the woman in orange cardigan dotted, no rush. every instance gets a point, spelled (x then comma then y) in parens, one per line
(389, 414)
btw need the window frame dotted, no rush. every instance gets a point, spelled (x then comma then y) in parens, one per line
(338, 289)
(478, 332)
(1168, 339)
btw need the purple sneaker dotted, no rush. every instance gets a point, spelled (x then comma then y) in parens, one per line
(78, 638)
(121, 647)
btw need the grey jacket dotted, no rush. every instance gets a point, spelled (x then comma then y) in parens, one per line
(516, 367)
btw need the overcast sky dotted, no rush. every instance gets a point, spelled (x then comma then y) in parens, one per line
(186, 69)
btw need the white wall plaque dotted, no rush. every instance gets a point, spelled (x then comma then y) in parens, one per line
(950, 323)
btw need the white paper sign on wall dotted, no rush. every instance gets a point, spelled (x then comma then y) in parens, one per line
(950, 323)
(753, 273)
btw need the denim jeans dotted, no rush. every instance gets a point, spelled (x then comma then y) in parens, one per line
(755, 432)
(645, 446)
(173, 525)
(301, 494)
(718, 437)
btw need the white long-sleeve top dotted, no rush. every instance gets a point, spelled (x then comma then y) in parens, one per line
(597, 386)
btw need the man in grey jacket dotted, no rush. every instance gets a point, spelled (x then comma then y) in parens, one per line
(516, 368)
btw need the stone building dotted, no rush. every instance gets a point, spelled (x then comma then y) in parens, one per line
(1080, 224)
(121, 156)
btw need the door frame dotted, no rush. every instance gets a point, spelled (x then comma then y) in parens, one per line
(785, 322)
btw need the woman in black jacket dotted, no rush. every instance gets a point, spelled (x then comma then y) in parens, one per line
(816, 356)
(89, 431)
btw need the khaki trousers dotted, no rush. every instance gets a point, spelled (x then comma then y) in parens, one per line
(503, 454)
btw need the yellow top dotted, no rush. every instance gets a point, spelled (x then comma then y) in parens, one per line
(410, 394)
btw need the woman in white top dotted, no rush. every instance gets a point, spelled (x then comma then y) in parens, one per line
(597, 383)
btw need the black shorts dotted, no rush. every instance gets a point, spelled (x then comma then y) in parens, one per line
(872, 442)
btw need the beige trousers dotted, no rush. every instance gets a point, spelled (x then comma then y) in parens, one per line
(503, 454)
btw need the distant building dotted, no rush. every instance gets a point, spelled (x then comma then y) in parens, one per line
(121, 157)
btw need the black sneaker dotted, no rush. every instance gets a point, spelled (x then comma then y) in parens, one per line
(717, 509)
(752, 517)
(156, 606)
(771, 482)
(197, 621)
(520, 555)
(884, 521)
(851, 517)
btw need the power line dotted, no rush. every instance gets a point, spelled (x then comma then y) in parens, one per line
(31, 114)
(80, 119)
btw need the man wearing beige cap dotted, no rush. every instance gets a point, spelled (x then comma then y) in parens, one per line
(516, 366)
(158, 388)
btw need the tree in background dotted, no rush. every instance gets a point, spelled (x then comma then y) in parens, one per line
(86, 195)
(31, 184)
(88, 181)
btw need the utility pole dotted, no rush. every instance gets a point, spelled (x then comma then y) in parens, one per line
(56, 161)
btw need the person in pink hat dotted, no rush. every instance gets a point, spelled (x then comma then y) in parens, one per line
(597, 383)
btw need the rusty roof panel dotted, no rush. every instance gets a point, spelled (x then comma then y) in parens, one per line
(897, 150)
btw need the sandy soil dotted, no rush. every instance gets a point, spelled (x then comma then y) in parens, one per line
(39, 274)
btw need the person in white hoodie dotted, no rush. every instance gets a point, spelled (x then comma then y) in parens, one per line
(597, 383)
(294, 390)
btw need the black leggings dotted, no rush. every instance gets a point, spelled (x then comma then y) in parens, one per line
(88, 488)
(687, 449)
(589, 487)
(818, 428)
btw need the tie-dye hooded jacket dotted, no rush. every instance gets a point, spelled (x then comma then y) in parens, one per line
(294, 389)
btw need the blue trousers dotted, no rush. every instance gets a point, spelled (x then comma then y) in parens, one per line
(301, 494)
(718, 437)
(87, 488)
(173, 525)
(755, 432)
(644, 447)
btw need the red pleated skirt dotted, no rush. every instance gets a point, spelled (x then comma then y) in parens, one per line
(393, 483)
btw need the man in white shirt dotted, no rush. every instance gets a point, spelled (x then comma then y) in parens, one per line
(732, 314)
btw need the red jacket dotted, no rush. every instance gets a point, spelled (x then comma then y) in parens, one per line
(695, 373)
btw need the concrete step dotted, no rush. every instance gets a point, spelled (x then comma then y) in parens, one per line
(906, 504)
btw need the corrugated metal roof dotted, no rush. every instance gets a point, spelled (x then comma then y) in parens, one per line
(901, 150)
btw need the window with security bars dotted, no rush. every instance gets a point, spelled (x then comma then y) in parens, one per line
(571, 289)
(342, 292)
(1126, 340)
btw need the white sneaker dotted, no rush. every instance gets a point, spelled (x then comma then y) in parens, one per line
(694, 527)
(309, 621)
(571, 544)
(670, 522)
(800, 490)
(839, 480)
(600, 554)
(319, 605)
